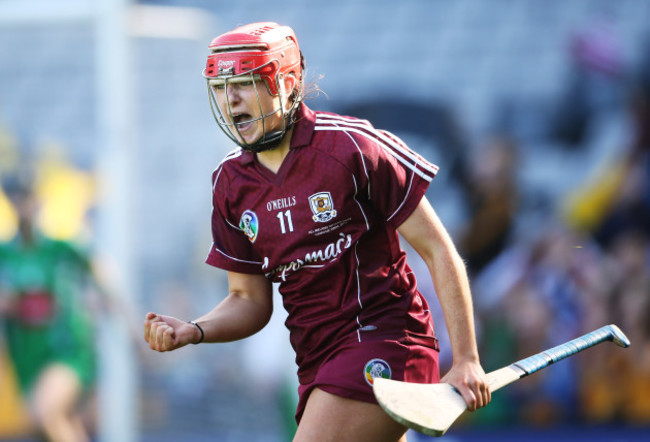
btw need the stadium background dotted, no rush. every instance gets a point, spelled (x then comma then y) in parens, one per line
(537, 113)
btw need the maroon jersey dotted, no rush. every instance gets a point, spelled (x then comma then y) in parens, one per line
(324, 228)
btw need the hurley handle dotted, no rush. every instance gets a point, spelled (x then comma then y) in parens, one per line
(540, 360)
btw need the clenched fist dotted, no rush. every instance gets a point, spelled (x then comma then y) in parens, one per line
(166, 333)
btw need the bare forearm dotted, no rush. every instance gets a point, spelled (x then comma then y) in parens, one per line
(236, 317)
(424, 231)
(245, 311)
(452, 286)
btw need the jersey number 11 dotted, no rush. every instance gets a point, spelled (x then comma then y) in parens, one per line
(281, 216)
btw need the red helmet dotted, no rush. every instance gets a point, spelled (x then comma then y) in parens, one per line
(260, 51)
(266, 48)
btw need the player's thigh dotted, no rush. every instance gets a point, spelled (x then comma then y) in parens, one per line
(330, 418)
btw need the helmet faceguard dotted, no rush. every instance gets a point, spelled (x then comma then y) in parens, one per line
(259, 52)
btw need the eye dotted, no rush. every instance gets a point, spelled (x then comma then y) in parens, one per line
(246, 83)
(219, 87)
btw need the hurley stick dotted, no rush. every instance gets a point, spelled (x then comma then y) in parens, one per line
(432, 408)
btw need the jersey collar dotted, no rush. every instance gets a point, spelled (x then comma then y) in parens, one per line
(304, 127)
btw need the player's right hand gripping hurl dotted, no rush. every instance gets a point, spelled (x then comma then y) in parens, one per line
(471, 382)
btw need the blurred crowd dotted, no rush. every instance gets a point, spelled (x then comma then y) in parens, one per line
(583, 264)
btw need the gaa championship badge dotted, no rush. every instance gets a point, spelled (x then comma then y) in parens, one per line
(249, 224)
(322, 207)
(376, 368)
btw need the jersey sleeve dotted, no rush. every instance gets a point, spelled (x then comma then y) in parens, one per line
(397, 177)
(231, 250)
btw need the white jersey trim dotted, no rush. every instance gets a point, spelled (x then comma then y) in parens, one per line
(411, 166)
(230, 156)
(408, 192)
(214, 247)
(356, 191)
(389, 142)
(356, 271)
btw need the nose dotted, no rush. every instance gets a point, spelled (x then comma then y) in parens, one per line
(232, 91)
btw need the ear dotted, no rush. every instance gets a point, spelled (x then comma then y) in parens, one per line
(290, 82)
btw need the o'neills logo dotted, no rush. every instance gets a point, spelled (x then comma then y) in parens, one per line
(313, 259)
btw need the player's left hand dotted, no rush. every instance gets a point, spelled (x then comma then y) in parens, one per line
(469, 379)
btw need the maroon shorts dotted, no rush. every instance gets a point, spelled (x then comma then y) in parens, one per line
(350, 371)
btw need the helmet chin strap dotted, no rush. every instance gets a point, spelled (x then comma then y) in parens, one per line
(268, 142)
(273, 139)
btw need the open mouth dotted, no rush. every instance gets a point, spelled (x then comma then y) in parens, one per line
(243, 121)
